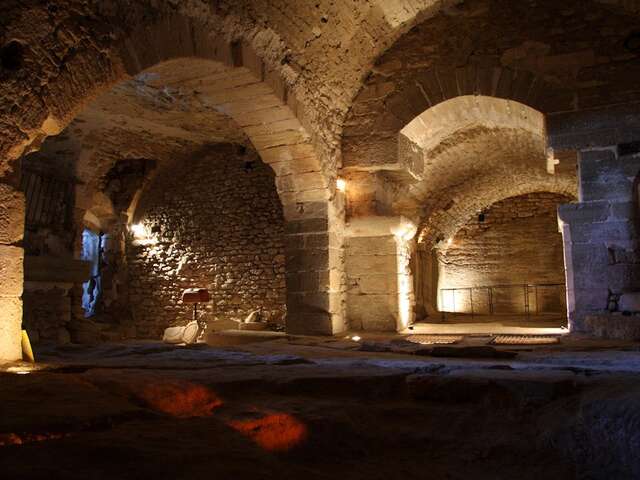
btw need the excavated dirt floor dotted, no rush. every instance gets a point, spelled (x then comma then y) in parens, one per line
(310, 408)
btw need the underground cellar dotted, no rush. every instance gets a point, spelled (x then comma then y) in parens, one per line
(426, 207)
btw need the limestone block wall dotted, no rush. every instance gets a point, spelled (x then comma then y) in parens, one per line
(11, 269)
(380, 289)
(516, 242)
(372, 283)
(600, 233)
(213, 223)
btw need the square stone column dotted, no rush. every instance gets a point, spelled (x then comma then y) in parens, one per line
(11, 271)
(315, 267)
(380, 294)
(600, 234)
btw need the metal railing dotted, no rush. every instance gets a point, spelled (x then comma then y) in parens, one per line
(530, 304)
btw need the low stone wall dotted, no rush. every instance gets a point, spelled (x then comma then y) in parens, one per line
(214, 222)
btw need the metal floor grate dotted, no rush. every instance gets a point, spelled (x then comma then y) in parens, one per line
(525, 340)
(435, 339)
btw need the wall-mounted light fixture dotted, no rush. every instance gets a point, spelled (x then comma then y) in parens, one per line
(341, 184)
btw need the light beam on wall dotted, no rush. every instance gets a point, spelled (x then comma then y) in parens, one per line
(403, 234)
(138, 231)
(142, 234)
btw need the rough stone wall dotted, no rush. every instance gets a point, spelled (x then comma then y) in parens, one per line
(47, 181)
(517, 243)
(46, 314)
(601, 233)
(553, 56)
(212, 223)
(54, 56)
(71, 51)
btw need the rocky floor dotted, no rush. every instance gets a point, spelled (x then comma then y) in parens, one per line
(314, 408)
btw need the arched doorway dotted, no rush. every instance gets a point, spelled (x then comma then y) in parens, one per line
(455, 161)
(234, 83)
(504, 265)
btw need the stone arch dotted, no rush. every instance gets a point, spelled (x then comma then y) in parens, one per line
(464, 155)
(454, 159)
(436, 86)
(268, 103)
(505, 155)
(428, 56)
(430, 133)
(469, 147)
(249, 92)
(440, 226)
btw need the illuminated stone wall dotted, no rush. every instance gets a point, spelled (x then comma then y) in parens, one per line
(323, 85)
(499, 48)
(212, 223)
(517, 243)
(601, 241)
(380, 295)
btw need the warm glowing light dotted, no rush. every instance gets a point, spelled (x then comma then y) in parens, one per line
(139, 231)
(405, 295)
(341, 184)
(182, 400)
(275, 432)
(450, 241)
(142, 235)
(7, 439)
(19, 370)
(404, 233)
(356, 338)
(447, 301)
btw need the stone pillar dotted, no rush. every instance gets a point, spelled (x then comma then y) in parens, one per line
(426, 273)
(380, 293)
(600, 234)
(11, 271)
(314, 267)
